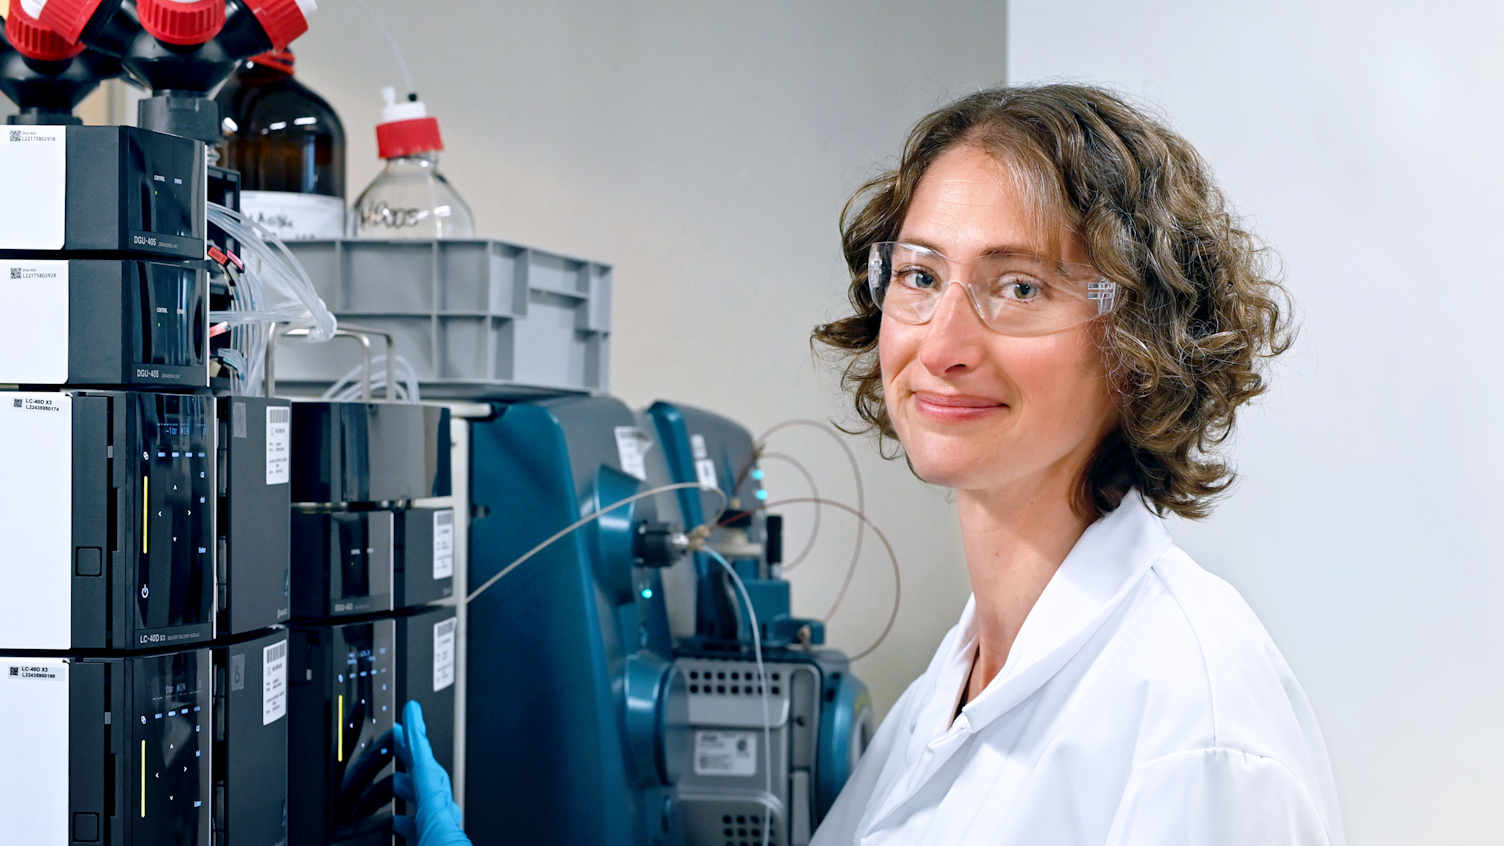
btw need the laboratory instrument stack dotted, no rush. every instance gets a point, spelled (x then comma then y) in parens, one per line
(214, 605)
(143, 520)
(139, 516)
(373, 540)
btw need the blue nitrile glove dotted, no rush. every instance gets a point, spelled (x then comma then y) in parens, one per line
(425, 785)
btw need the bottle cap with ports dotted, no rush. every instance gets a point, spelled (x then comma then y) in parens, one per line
(406, 128)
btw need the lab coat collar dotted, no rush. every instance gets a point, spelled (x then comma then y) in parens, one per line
(1101, 569)
(1106, 564)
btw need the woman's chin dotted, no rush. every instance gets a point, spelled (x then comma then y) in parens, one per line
(948, 472)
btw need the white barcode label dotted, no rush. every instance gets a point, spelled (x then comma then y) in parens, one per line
(278, 444)
(273, 682)
(705, 473)
(725, 753)
(443, 544)
(443, 653)
(697, 446)
(632, 445)
(38, 671)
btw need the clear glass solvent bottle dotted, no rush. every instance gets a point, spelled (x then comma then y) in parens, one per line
(289, 146)
(410, 198)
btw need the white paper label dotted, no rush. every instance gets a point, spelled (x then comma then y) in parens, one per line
(295, 217)
(278, 444)
(443, 544)
(697, 446)
(33, 187)
(34, 337)
(36, 521)
(725, 753)
(632, 445)
(443, 653)
(52, 671)
(705, 473)
(273, 682)
(34, 747)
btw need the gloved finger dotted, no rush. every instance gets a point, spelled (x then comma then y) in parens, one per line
(407, 828)
(426, 771)
(417, 730)
(402, 785)
(399, 745)
(459, 817)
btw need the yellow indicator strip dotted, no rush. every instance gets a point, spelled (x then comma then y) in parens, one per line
(143, 779)
(340, 716)
(145, 514)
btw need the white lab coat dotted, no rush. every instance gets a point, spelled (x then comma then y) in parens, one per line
(1142, 704)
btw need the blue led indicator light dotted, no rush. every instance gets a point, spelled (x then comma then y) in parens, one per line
(762, 494)
(647, 593)
(757, 474)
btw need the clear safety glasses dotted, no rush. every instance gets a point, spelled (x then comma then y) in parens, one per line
(1013, 294)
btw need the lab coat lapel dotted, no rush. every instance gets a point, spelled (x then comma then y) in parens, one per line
(1102, 568)
(1104, 565)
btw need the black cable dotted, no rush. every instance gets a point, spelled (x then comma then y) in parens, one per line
(814, 529)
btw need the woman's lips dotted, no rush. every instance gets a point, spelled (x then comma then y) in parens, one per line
(955, 407)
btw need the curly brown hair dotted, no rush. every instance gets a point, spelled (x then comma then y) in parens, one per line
(1199, 309)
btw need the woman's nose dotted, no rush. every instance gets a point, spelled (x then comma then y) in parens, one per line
(956, 338)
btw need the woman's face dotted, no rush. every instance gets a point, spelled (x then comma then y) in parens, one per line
(977, 410)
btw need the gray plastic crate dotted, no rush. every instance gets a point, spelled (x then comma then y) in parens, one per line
(474, 318)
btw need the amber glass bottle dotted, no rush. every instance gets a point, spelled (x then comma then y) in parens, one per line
(289, 147)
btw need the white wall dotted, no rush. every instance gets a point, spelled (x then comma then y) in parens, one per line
(705, 149)
(1362, 139)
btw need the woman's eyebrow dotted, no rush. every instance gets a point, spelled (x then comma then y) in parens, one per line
(1021, 250)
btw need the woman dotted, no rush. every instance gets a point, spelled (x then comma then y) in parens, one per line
(1057, 317)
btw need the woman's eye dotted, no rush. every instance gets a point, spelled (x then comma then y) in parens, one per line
(1017, 289)
(923, 279)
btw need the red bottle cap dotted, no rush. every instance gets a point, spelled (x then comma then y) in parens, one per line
(66, 17)
(36, 40)
(398, 138)
(283, 20)
(176, 22)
